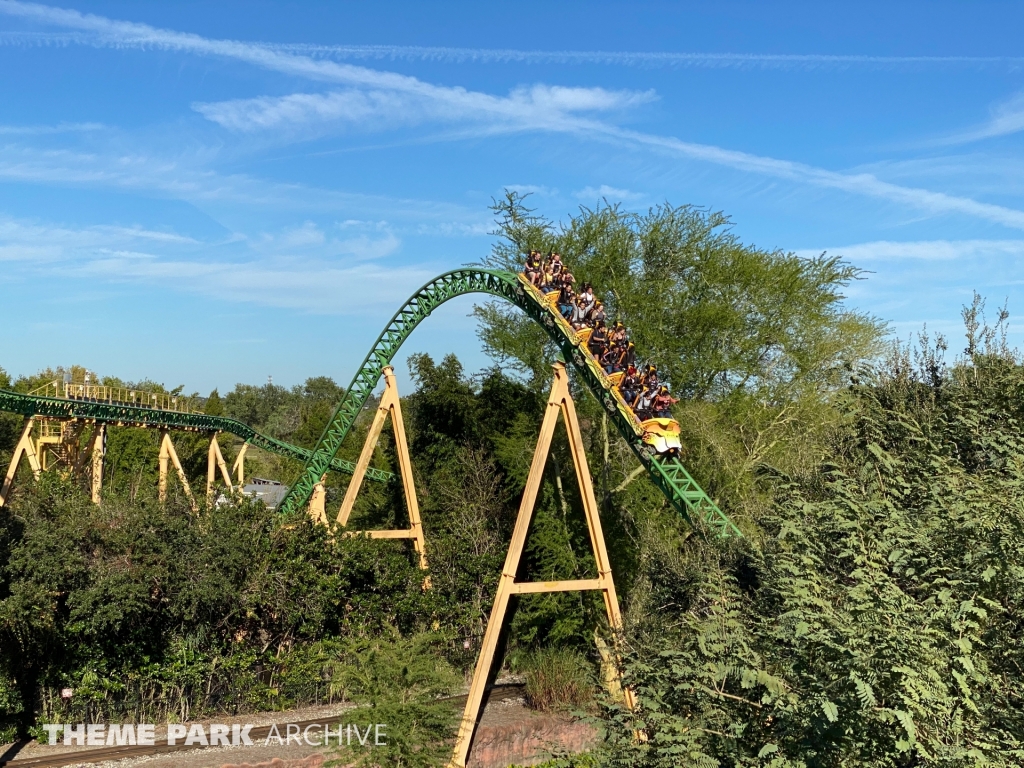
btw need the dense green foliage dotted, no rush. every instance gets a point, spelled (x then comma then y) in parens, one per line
(870, 617)
(879, 623)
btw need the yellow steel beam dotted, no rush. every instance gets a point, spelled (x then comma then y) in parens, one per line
(390, 405)
(533, 587)
(25, 447)
(559, 401)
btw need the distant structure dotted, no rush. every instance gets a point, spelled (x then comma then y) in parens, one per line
(270, 492)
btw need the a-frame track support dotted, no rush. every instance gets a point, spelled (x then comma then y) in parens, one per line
(559, 401)
(390, 405)
(215, 461)
(26, 447)
(167, 453)
(239, 466)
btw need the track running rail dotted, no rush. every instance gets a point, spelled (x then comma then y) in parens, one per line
(136, 416)
(667, 472)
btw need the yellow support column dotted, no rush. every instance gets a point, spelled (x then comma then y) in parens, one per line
(318, 502)
(167, 452)
(99, 451)
(559, 401)
(239, 466)
(164, 459)
(25, 447)
(215, 461)
(390, 405)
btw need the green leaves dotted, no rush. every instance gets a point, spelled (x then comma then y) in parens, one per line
(884, 600)
(831, 710)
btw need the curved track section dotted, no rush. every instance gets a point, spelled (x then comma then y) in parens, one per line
(135, 416)
(667, 473)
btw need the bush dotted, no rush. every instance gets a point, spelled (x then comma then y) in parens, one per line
(558, 679)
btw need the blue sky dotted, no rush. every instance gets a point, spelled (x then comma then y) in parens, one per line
(212, 192)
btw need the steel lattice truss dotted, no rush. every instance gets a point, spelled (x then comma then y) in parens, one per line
(667, 473)
(135, 416)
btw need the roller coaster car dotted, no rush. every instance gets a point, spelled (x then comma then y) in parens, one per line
(662, 435)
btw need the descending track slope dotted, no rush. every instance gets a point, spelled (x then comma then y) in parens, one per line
(136, 416)
(667, 473)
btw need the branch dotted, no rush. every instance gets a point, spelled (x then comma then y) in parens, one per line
(629, 479)
(729, 696)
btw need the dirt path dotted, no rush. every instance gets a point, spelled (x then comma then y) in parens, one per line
(508, 733)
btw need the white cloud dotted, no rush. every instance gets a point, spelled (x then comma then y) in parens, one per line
(309, 234)
(310, 286)
(531, 189)
(457, 229)
(30, 241)
(523, 108)
(613, 194)
(1006, 118)
(298, 267)
(42, 130)
(179, 178)
(309, 238)
(537, 101)
(928, 250)
(541, 107)
(865, 184)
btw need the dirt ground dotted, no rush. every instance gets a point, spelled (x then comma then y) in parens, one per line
(508, 733)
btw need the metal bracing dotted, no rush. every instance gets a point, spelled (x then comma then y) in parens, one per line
(239, 466)
(25, 447)
(215, 461)
(667, 473)
(559, 402)
(121, 415)
(390, 405)
(167, 453)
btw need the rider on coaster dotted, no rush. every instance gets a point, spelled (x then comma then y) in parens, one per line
(567, 298)
(650, 377)
(578, 318)
(629, 356)
(598, 340)
(610, 358)
(532, 270)
(618, 360)
(644, 392)
(629, 387)
(663, 403)
(587, 294)
(643, 404)
(618, 333)
(550, 279)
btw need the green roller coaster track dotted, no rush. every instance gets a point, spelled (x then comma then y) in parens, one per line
(667, 472)
(128, 415)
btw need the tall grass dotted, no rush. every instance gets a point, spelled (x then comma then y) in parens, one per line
(558, 679)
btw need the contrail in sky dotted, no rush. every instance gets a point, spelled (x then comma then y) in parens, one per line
(640, 59)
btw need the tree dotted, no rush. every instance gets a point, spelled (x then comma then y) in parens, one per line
(214, 405)
(755, 341)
